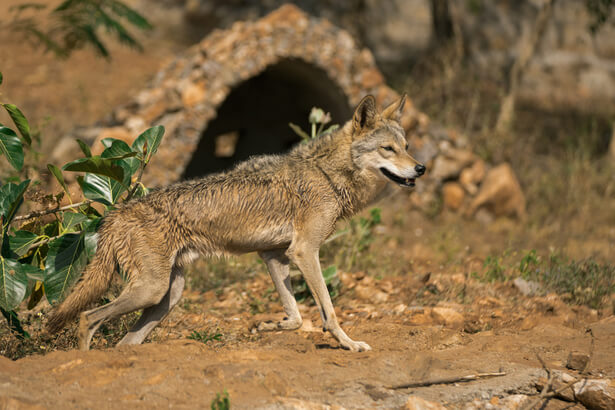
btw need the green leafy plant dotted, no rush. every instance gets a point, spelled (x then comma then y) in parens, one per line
(332, 280)
(74, 24)
(494, 269)
(43, 257)
(221, 401)
(350, 243)
(529, 263)
(205, 336)
(584, 282)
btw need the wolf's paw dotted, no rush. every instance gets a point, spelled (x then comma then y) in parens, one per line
(286, 324)
(356, 346)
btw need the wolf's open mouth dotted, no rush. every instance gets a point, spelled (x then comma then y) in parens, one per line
(407, 182)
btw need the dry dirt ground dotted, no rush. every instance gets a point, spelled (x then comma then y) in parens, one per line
(420, 308)
(306, 368)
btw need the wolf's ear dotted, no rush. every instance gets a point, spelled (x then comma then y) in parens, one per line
(394, 111)
(365, 113)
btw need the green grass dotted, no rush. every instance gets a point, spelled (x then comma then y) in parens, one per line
(580, 282)
(205, 336)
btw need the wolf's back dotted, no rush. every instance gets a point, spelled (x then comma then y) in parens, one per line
(94, 281)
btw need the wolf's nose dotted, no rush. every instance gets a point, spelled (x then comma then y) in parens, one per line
(420, 169)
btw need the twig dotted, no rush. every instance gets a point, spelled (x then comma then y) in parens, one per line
(591, 354)
(544, 395)
(448, 380)
(36, 214)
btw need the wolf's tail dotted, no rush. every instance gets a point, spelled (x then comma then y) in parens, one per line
(94, 281)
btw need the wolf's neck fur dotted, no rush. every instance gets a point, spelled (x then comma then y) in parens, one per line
(331, 154)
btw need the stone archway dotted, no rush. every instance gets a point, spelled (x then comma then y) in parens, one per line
(254, 118)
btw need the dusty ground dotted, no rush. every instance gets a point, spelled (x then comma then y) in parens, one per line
(416, 300)
(287, 369)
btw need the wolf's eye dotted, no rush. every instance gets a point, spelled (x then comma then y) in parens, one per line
(388, 148)
(407, 146)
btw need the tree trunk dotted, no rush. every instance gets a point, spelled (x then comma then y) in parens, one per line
(526, 49)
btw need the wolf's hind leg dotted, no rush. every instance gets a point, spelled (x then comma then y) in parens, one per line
(143, 292)
(277, 263)
(155, 314)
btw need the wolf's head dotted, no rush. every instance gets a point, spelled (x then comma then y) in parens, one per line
(379, 144)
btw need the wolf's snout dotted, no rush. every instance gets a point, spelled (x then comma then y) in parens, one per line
(420, 169)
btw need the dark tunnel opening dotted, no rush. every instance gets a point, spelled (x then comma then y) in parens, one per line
(254, 117)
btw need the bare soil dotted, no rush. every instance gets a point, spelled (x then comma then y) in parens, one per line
(287, 369)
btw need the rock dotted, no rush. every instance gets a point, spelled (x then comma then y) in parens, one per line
(472, 176)
(577, 361)
(596, 394)
(418, 403)
(452, 195)
(447, 317)
(527, 288)
(451, 162)
(500, 193)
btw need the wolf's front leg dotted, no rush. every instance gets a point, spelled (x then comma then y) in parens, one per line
(277, 263)
(306, 259)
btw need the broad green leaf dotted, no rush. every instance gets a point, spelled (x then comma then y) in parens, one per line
(19, 244)
(71, 219)
(120, 151)
(15, 324)
(91, 243)
(65, 261)
(147, 143)
(66, 5)
(20, 122)
(10, 146)
(11, 197)
(85, 148)
(37, 294)
(97, 165)
(0, 77)
(91, 238)
(101, 189)
(13, 282)
(56, 172)
(131, 15)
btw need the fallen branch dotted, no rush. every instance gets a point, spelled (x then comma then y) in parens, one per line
(448, 380)
(545, 394)
(36, 214)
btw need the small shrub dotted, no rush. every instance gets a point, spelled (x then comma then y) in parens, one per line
(205, 336)
(587, 282)
(332, 280)
(495, 270)
(221, 401)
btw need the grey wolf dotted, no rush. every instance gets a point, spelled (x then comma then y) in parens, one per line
(281, 206)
